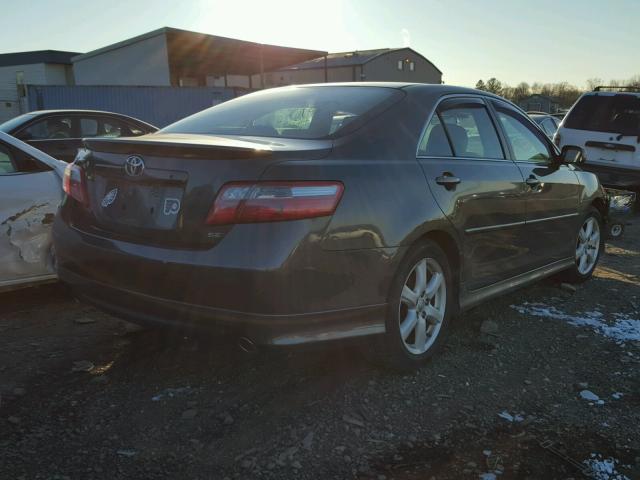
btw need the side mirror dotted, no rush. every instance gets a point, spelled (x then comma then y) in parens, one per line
(571, 154)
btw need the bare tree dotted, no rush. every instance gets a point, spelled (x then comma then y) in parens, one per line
(494, 86)
(592, 83)
(522, 90)
(480, 85)
(634, 81)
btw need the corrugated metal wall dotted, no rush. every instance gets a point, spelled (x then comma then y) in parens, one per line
(159, 106)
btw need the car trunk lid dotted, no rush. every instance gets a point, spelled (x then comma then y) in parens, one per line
(159, 188)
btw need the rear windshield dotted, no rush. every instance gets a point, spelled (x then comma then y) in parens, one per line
(606, 113)
(292, 112)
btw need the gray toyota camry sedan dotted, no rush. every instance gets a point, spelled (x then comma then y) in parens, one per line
(322, 212)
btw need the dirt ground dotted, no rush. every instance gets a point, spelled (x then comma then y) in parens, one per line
(82, 397)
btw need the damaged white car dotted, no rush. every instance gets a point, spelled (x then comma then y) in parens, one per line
(30, 192)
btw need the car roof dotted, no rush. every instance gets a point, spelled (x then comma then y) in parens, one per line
(399, 85)
(75, 110)
(435, 89)
(605, 93)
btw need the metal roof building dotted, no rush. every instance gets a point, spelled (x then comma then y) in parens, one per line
(174, 57)
(380, 65)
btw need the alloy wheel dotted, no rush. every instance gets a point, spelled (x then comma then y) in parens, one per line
(588, 245)
(422, 306)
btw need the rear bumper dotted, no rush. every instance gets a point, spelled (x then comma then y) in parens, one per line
(276, 330)
(298, 293)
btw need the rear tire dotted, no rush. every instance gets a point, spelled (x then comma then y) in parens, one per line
(420, 306)
(589, 247)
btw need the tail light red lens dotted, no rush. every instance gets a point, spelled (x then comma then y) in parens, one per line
(74, 184)
(249, 202)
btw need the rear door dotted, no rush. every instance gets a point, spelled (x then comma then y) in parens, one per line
(478, 188)
(552, 189)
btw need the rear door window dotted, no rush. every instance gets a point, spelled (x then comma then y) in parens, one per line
(461, 128)
(471, 132)
(434, 141)
(618, 113)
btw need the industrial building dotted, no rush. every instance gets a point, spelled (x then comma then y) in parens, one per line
(17, 70)
(382, 65)
(180, 58)
(167, 74)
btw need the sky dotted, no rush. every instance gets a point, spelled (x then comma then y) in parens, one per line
(544, 41)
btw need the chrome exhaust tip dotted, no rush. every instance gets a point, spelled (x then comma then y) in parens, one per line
(246, 345)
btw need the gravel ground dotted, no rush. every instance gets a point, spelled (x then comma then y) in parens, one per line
(84, 397)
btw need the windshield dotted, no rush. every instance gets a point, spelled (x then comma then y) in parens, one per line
(294, 112)
(10, 125)
(606, 113)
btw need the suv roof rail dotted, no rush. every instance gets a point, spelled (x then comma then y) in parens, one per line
(613, 87)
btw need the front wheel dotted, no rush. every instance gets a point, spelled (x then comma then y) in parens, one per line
(589, 246)
(418, 315)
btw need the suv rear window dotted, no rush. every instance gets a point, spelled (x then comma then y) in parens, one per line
(606, 113)
(293, 112)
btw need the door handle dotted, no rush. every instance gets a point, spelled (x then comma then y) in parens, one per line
(532, 181)
(448, 180)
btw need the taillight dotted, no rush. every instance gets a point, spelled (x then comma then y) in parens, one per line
(74, 184)
(249, 202)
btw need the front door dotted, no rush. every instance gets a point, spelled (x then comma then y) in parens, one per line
(29, 196)
(553, 190)
(478, 188)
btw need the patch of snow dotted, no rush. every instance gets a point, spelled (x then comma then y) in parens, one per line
(621, 328)
(617, 395)
(171, 392)
(488, 476)
(511, 418)
(604, 468)
(589, 395)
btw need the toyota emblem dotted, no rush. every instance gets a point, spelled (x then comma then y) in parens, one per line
(134, 166)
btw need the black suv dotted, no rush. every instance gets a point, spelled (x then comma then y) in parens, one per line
(315, 213)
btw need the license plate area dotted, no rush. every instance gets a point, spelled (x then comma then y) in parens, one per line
(141, 205)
